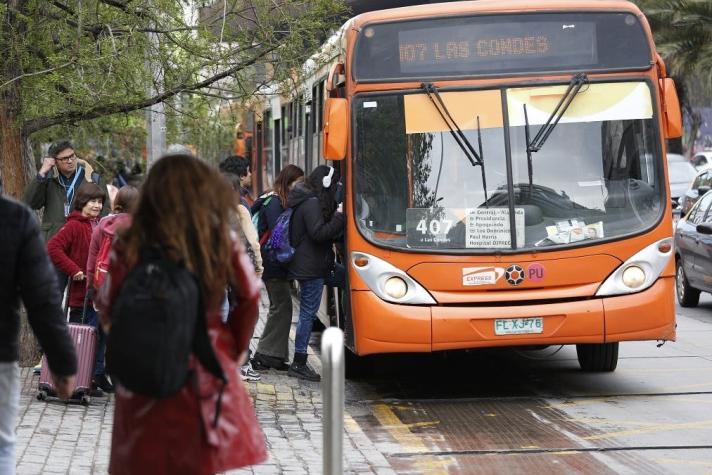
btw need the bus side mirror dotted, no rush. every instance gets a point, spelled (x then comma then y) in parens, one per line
(672, 118)
(335, 128)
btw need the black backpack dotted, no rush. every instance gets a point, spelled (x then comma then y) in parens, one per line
(157, 321)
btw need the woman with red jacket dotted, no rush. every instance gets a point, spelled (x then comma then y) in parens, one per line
(69, 250)
(205, 427)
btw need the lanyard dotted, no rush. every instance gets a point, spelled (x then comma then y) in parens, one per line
(70, 190)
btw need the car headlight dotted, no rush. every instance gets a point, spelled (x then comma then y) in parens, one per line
(640, 271)
(389, 282)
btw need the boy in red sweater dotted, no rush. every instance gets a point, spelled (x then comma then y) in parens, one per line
(69, 250)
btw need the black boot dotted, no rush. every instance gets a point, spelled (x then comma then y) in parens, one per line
(299, 368)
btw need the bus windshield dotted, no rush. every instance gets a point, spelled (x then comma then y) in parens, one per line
(597, 176)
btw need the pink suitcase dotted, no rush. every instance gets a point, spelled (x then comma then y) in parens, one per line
(84, 337)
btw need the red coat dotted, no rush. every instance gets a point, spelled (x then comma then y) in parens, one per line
(175, 435)
(69, 250)
(108, 225)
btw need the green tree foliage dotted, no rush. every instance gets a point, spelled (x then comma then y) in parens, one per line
(69, 61)
(683, 37)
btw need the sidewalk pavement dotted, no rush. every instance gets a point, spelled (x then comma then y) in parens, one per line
(54, 437)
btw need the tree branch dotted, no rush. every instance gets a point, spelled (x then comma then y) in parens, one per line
(34, 125)
(36, 73)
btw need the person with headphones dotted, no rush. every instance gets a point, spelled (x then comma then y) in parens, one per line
(315, 226)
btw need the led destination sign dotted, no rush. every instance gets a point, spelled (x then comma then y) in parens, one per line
(490, 46)
(500, 44)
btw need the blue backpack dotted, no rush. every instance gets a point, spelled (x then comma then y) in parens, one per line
(278, 244)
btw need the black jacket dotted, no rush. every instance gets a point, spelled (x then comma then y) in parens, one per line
(28, 274)
(311, 236)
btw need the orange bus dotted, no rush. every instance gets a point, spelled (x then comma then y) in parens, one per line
(504, 175)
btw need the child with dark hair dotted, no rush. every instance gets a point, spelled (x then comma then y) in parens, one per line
(69, 250)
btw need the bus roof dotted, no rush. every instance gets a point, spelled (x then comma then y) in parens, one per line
(491, 6)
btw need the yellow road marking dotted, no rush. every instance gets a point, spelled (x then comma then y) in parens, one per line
(654, 428)
(410, 442)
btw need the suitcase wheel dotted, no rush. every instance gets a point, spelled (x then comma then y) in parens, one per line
(42, 396)
(85, 400)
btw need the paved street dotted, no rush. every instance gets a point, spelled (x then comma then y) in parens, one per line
(497, 411)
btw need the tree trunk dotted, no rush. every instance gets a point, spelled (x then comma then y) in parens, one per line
(13, 169)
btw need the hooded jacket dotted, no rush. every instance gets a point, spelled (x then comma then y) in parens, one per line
(27, 273)
(311, 236)
(69, 251)
(50, 194)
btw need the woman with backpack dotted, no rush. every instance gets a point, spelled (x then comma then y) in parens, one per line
(181, 228)
(315, 226)
(273, 348)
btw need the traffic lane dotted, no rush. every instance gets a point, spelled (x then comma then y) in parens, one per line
(702, 312)
(517, 411)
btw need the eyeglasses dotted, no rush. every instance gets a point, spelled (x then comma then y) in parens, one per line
(67, 158)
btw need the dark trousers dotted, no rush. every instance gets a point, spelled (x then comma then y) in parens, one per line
(275, 336)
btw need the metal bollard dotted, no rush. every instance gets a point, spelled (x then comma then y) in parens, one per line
(332, 387)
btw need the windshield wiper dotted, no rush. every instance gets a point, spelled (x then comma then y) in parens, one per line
(545, 131)
(476, 159)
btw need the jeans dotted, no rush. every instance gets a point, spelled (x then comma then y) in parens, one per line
(9, 405)
(92, 318)
(310, 298)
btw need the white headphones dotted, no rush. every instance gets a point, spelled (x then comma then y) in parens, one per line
(326, 181)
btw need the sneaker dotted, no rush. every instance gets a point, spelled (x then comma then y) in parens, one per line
(302, 371)
(265, 362)
(37, 369)
(103, 383)
(249, 374)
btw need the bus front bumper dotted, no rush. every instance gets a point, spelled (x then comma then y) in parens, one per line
(382, 327)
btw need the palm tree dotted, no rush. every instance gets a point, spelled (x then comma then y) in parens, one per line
(683, 37)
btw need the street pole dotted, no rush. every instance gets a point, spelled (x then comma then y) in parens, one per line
(155, 115)
(332, 389)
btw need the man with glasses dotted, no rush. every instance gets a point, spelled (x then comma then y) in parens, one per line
(55, 185)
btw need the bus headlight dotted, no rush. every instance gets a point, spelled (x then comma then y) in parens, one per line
(640, 271)
(396, 287)
(389, 282)
(633, 277)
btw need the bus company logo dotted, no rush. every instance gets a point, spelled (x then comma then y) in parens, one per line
(481, 275)
(535, 272)
(514, 275)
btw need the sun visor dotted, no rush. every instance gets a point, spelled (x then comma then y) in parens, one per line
(595, 103)
(421, 115)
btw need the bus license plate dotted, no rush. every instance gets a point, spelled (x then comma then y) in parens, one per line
(518, 326)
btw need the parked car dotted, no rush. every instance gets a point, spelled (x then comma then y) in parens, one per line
(702, 160)
(699, 186)
(693, 253)
(681, 173)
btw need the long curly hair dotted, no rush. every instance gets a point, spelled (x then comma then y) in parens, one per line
(184, 208)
